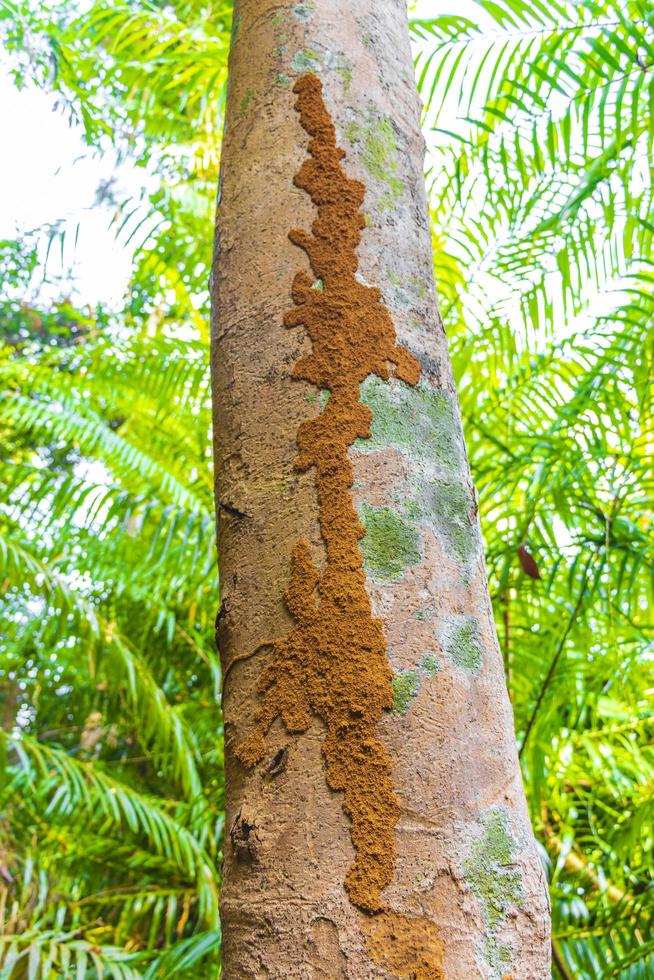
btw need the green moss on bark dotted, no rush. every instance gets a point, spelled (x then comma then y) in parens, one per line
(345, 71)
(422, 424)
(406, 683)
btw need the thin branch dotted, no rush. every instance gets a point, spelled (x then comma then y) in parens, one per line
(554, 663)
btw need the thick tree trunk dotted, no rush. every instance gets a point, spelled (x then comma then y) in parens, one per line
(376, 822)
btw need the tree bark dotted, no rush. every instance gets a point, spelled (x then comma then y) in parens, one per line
(376, 821)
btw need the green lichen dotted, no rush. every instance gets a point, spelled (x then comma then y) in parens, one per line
(420, 286)
(390, 544)
(416, 420)
(447, 506)
(345, 71)
(282, 487)
(498, 956)
(379, 153)
(314, 396)
(305, 10)
(429, 664)
(406, 685)
(246, 101)
(421, 423)
(306, 61)
(281, 80)
(495, 881)
(278, 20)
(460, 641)
(403, 288)
(400, 296)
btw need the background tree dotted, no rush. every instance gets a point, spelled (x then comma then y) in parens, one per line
(557, 416)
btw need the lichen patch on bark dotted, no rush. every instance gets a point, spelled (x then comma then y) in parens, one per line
(495, 881)
(390, 544)
(460, 641)
(333, 662)
(380, 156)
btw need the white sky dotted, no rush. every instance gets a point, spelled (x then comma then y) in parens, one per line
(48, 175)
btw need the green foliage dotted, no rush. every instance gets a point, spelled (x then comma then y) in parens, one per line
(538, 120)
(112, 796)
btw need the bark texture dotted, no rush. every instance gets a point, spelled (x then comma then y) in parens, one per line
(377, 821)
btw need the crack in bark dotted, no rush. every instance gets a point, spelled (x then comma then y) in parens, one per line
(233, 511)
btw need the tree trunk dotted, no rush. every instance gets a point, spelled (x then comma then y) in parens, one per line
(376, 822)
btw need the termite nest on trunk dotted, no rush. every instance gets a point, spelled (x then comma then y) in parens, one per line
(333, 663)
